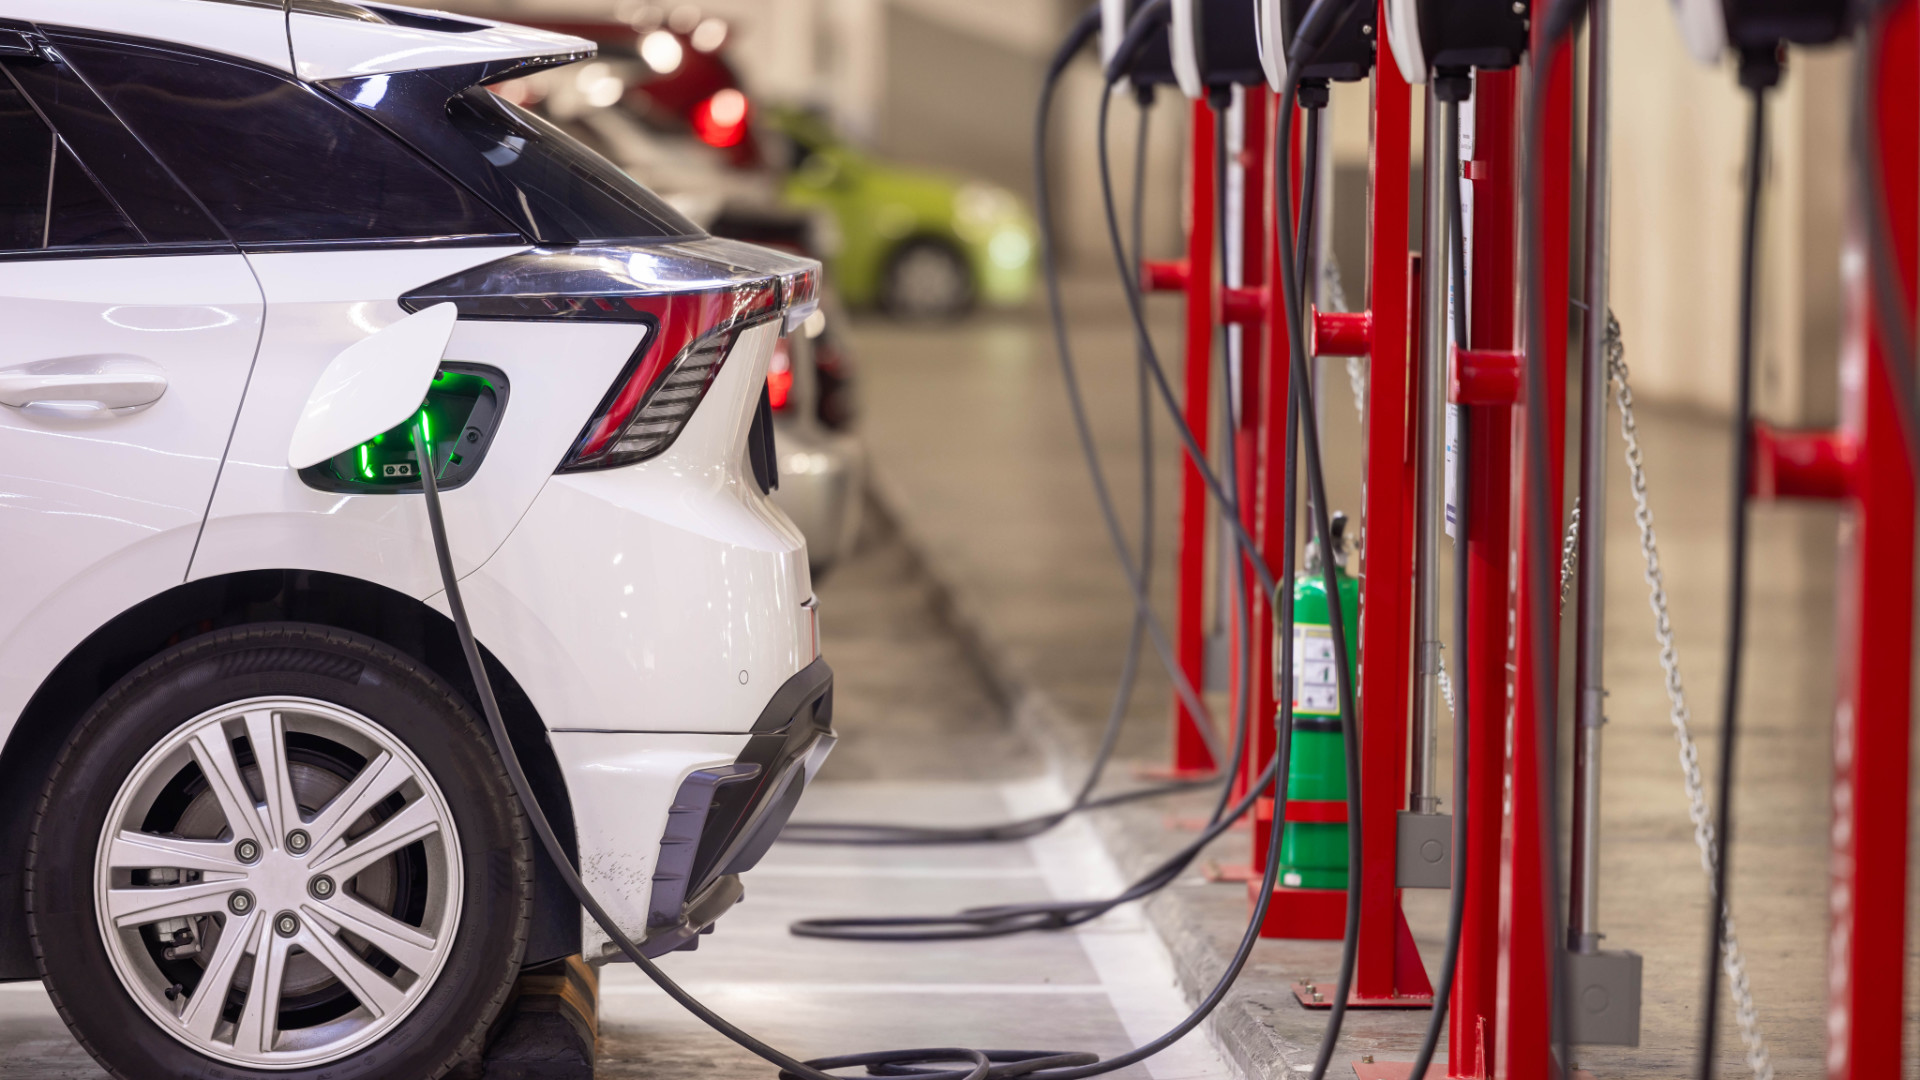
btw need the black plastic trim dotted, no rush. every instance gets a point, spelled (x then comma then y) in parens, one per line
(463, 240)
(686, 818)
(798, 716)
(723, 819)
(119, 251)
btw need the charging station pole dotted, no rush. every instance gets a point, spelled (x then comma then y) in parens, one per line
(1864, 465)
(1488, 379)
(1524, 1030)
(1248, 304)
(1190, 755)
(1388, 970)
(1866, 1001)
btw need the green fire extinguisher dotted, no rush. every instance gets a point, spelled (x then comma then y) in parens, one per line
(1313, 855)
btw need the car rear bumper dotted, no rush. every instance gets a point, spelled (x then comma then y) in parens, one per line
(724, 818)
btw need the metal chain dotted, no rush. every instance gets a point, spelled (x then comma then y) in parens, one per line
(1745, 1013)
(1568, 561)
(1356, 366)
(1570, 553)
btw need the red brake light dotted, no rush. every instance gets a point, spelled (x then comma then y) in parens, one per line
(669, 372)
(721, 120)
(780, 376)
(692, 298)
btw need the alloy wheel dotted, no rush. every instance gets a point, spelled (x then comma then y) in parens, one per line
(278, 882)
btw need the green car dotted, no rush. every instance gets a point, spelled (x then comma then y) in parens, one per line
(914, 243)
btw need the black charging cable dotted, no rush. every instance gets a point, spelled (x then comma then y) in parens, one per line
(1891, 317)
(1005, 919)
(1541, 530)
(1759, 71)
(980, 1064)
(878, 833)
(1451, 89)
(1314, 30)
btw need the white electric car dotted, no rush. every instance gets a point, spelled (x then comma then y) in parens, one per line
(252, 825)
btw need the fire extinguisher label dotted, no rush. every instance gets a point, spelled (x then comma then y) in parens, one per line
(1315, 689)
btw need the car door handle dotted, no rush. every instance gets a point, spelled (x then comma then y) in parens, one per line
(82, 387)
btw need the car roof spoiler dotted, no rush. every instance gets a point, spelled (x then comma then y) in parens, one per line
(336, 39)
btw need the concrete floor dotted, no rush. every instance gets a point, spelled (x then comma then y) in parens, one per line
(973, 447)
(974, 454)
(922, 740)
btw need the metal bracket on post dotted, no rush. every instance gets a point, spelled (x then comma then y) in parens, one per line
(1425, 855)
(1605, 990)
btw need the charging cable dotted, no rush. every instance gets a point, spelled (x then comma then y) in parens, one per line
(1451, 89)
(877, 833)
(1540, 527)
(1007, 919)
(1889, 304)
(1759, 70)
(980, 1064)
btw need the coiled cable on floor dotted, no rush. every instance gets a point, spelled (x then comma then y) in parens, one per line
(1006, 919)
(978, 1064)
(883, 833)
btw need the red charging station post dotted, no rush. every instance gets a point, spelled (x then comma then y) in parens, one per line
(1388, 970)
(1523, 1032)
(1487, 377)
(1488, 380)
(1194, 277)
(1864, 464)
(1250, 307)
(1872, 723)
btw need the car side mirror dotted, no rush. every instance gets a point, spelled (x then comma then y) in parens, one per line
(373, 385)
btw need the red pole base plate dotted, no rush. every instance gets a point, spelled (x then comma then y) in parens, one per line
(1302, 914)
(1320, 996)
(1403, 1070)
(1231, 873)
(1199, 824)
(1170, 772)
(1412, 989)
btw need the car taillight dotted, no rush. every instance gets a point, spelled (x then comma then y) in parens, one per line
(721, 120)
(669, 373)
(694, 299)
(780, 376)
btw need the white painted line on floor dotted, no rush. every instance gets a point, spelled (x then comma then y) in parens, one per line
(1128, 955)
(813, 989)
(30, 987)
(930, 873)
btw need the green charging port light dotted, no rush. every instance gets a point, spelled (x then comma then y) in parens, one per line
(459, 416)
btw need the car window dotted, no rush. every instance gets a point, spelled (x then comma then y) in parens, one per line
(47, 198)
(273, 160)
(153, 204)
(584, 193)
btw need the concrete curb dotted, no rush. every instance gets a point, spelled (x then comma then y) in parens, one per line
(1238, 1027)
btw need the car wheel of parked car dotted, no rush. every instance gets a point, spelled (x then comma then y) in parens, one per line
(279, 850)
(927, 279)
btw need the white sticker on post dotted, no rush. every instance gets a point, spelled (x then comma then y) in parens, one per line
(1316, 689)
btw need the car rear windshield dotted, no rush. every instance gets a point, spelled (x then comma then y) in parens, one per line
(567, 183)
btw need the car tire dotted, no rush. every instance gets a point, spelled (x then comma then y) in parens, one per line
(443, 862)
(927, 279)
